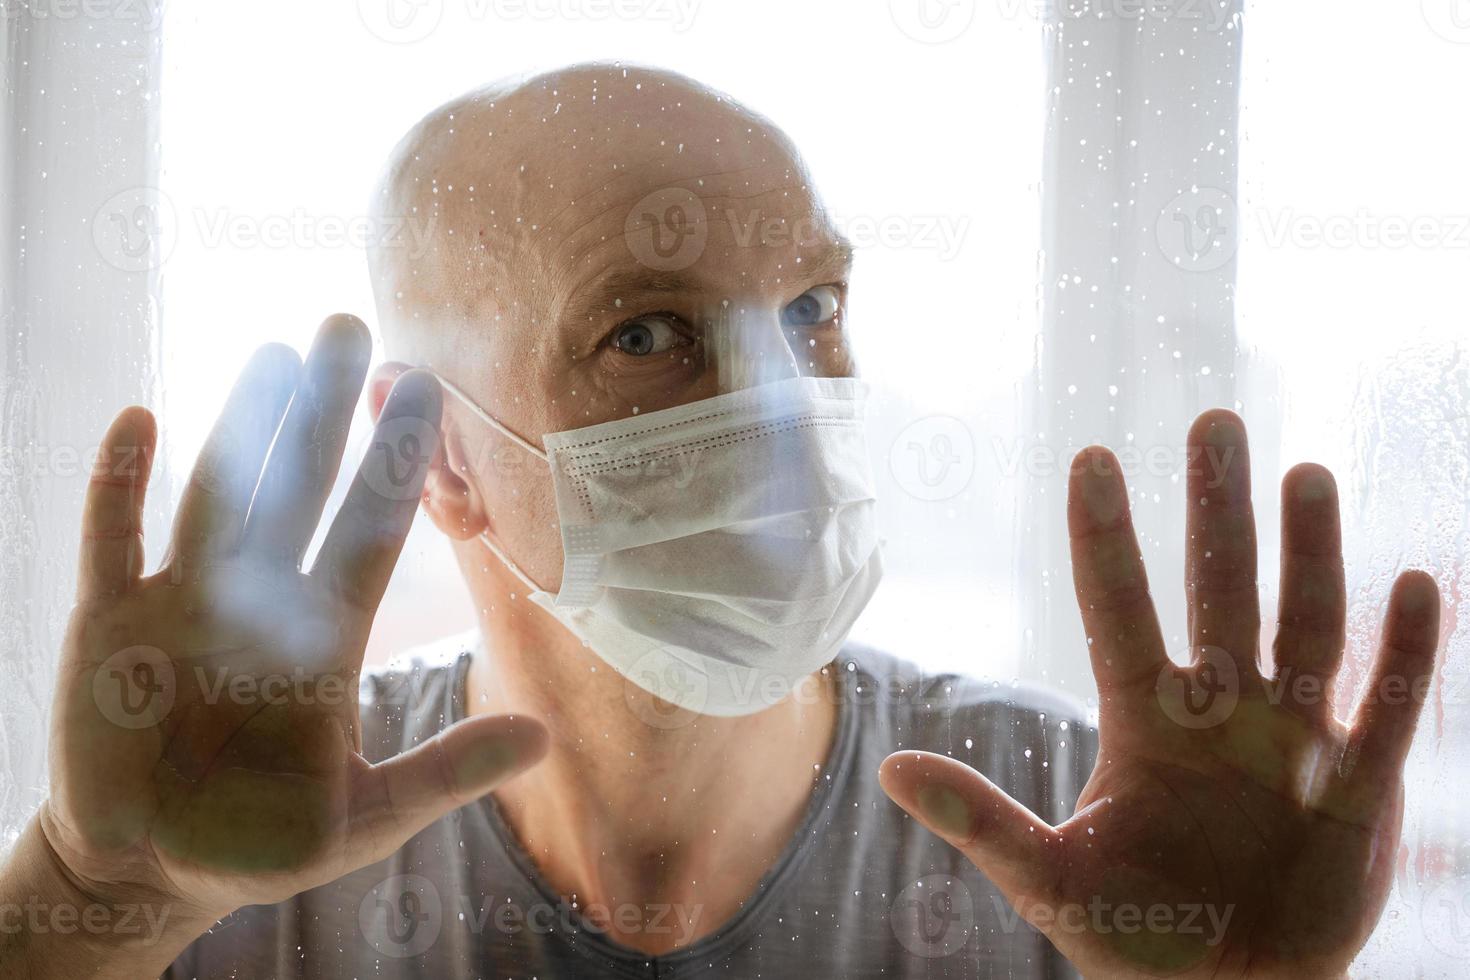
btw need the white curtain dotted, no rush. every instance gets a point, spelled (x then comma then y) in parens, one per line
(79, 251)
(1142, 249)
(1137, 290)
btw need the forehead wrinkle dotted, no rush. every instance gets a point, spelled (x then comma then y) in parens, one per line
(600, 293)
(696, 178)
(833, 261)
(476, 140)
(579, 256)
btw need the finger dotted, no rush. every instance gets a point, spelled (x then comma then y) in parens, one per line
(1220, 563)
(1123, 634)
(211, 516)
(1011, 845)
(1312, 614)
(307, 452)
(1384, 727)
(394, 800)
(112, 516)
(367, 535)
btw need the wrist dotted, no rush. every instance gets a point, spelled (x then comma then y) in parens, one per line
(54, 924)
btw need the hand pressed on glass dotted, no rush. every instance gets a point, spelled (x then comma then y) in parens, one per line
(1233, 827)
(240, 781)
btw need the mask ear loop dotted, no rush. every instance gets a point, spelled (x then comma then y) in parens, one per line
(489, 419)
(540, 454)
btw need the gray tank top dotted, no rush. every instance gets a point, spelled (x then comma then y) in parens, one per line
(862, 891)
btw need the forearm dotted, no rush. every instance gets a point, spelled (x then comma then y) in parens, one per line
(51, 927)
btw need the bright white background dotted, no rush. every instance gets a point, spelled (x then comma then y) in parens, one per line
(943, 140)
(277, 115)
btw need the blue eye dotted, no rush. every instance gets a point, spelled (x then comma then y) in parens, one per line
(648, 335)
(813, 307)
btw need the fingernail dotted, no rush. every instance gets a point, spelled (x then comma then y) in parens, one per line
(1418, 598)
(1314, 488)
(415, 390)
(1224, 434)
(1101, 498)
(489, 762)
(1224, 445)
(945, 810)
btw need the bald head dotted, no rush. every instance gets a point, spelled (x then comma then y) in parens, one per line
(588, 245)
(520, 193)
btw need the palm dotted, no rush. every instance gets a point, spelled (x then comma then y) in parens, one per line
(206, 742)
(1232, 826)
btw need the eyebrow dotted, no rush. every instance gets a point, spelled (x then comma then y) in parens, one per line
(832, 261)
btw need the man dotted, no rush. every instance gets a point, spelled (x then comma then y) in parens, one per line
(652, 472)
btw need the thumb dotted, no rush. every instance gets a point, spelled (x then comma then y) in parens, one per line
(395, 799)
(1016, 850)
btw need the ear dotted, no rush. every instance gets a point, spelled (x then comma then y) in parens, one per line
(382, 382)
(451, 502)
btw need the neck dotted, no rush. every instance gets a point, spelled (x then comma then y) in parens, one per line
(657, 823)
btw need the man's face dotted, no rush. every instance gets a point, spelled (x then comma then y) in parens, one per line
(642, 245)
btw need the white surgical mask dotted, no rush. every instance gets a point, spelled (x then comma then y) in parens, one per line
(716, 553)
